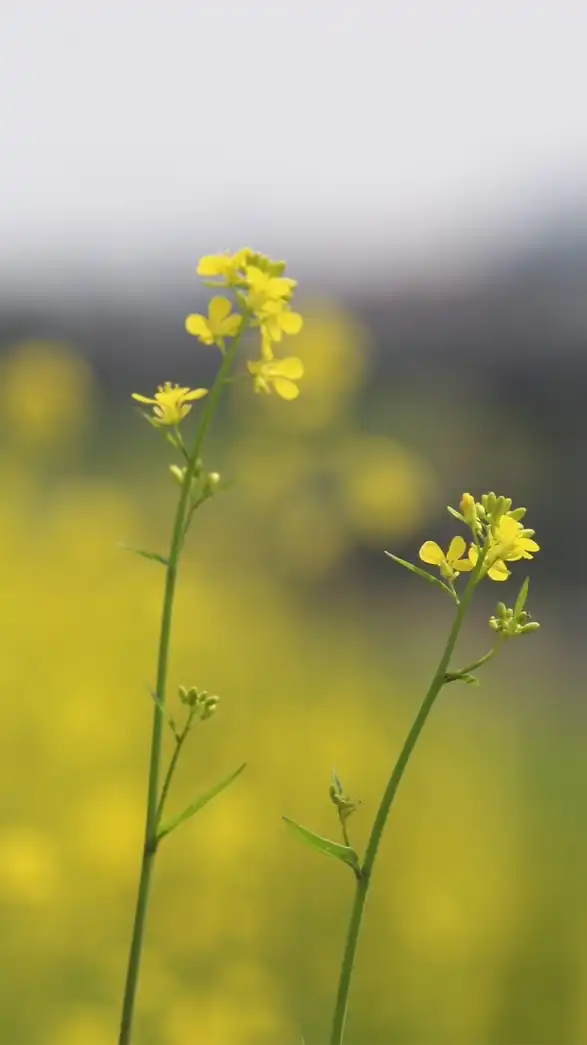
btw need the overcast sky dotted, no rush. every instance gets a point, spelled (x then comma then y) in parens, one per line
(330, 128)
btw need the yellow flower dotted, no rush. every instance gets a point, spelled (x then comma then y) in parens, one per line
(171, 403)
(278, 375)
(510, 543)
(450, 564)
(264, 288)
(229, 267)
(277, 319)
(220, 323)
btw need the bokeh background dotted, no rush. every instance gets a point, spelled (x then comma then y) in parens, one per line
(423, 169)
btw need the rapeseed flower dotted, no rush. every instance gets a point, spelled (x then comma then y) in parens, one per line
(450, 563)
(265, 289)
(509, 543)
(277, 375)
(229, 267)
(220, 323)
(277, 319)
(171, 403)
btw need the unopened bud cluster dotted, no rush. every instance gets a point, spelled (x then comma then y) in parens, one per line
(345, 805)
(202, 702)
(203, 484)
(510, 624)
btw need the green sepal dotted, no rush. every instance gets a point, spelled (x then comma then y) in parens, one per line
(200, 802)
(324, 845)
(521, 599)
(145, 554)
(421, 573)
(457, 515)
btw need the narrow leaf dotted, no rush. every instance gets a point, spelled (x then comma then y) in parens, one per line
(521, 599)
(199, 803)
(421, 573)
(323, 845)
(146, 555)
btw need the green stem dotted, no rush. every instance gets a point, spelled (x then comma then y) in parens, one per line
(153, 801)
(364, 880)
(179, 742)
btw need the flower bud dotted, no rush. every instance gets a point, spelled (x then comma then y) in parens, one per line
(469, 509)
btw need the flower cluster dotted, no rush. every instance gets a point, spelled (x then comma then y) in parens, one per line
(263, 294)
(262, 301)
(498, 536)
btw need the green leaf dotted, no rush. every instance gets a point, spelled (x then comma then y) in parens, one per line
(421, 573)
(146, 555)
(521, 599)
(323, 845)
(199, 803)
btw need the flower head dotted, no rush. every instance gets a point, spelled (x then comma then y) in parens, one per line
(278, 375)
(508, 543)
(171, 403)
(265, 289)
(451, 563)
(220, 322)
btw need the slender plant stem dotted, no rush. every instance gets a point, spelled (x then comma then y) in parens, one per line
(179, 742)
(154, 804)
(364, 879)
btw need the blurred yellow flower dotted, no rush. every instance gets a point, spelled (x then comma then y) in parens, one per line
(45, 392)
(278, 375)
(449, 564)
(221, 322)
(171, 403)
(229, 267)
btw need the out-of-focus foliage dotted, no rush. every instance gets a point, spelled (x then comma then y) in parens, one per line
(476, 924)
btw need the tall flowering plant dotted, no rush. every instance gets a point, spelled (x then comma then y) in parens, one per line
(255, 304)
(498, 538)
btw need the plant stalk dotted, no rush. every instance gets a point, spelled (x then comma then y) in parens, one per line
(154, 803)
(364, 879)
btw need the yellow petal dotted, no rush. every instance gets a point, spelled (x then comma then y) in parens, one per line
(281, 287)
(456, 549)
(218, 310)
(212, 265)
(508, 528)
(286, 389)
(463, 565)
(230, 326)
(255, 277)
(473, 554)
(142, 399)
(290, 367)
(431, 553)
(291, 322)
(198, 326)
(196, 393)
(499, 571)
(529, 545)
